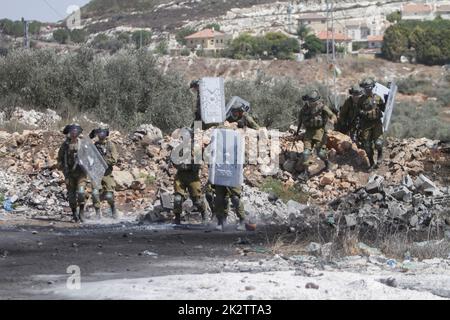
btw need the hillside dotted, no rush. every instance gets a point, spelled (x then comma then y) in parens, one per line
(165, 15)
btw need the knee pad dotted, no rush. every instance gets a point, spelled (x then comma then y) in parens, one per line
(109, 197)
(81, 195)
(95, 196)
(379, 144)
(306, 154)
(235, 201)
(322, 154)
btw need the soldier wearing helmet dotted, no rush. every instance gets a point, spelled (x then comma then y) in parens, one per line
(348, 113)
(108, 150)
(75, 177)
(314, 115)
(242, 118)
(187, 179)
(371, 108)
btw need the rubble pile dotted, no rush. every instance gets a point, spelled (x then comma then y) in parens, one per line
(32, 118)
(411, 205)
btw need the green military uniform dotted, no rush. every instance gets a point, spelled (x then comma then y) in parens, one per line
(74, 175)
(187, 182)
(371, 108)
(244, 121)
(347, 122)
(314, 116)
(109, 152)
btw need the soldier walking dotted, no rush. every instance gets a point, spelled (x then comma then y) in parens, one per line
(347, 122)
(314, 116)
(371, 108)
(75, 177)
(109, 152)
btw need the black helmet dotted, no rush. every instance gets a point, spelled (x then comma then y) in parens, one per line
(194, 84)
(71, 127)
(312, 96)
(356, 90)
(367, 83)
(102, 130)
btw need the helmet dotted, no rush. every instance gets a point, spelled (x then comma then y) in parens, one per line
(367, 83)
(356, 90)
(312, 96)
(74, 128)
(194, 84)
(238, 107)
(102, 132)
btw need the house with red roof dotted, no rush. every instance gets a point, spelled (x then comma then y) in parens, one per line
(340, 39)
(208, 40)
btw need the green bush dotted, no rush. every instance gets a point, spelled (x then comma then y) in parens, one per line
(185, 52)
(162, 48)
(271, 45)
(61, 36)
(214, 26)
(426, 41)
(314, 46)
(141, 38)
(124, 90)
(103, 42)
(283, 192)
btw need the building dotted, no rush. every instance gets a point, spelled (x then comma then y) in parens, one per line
(340, 39)
(443, 11)
(358, 30)
(315, 22)
(374, 42)
(208, 40)
(417, 11)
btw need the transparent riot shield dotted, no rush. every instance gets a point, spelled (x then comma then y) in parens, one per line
(236, 101)
(389, 106)
(92, 162)
(226, 167)
(212, 100)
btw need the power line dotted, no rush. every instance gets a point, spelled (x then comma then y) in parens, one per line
(54, 10)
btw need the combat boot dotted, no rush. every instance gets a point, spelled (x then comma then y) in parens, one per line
(327, 165)
(114, 212)
(241, 225)
(75, 215)
(98, 213)
(81, 213)
(220, 224)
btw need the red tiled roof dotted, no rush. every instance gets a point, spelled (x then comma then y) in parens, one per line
(324, 35)
(374, 38)
(206, 33)
(417, 8)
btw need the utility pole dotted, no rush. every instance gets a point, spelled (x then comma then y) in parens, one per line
(289, 12)
(26, 38)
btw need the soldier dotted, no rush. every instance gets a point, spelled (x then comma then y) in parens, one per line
(243, 119)
(187, 182)
(74, 175)
(109, 152)
(314, 116)
(371, 108)
(195, 87)
(348, 114)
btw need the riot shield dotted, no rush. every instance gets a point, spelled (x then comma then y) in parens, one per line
(92, 162)
(237, 101)
(212, 100)
(226, 167)
(389, 107)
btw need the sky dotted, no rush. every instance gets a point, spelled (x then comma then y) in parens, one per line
(42, 10)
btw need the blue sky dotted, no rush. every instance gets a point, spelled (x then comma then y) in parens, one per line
(42, 10)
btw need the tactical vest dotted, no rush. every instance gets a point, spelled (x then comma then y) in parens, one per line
(370, 110)
(313, 117)
(70, 156)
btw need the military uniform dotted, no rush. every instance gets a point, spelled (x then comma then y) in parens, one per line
(75, 177)
(347, 117)
(187, 182)
(244, 121)
(314, 118)
(371, 136)
(109, 152)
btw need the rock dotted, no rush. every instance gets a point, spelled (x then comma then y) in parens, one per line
(375, 184)
(391, 282)
(148, 134)
(327, 179)
(402, 193)
(422, 183)
(314, 248)
(311, 285)
(339, 141)
(248, 288)
(368, 251)
(350, 220)
(124, 179)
